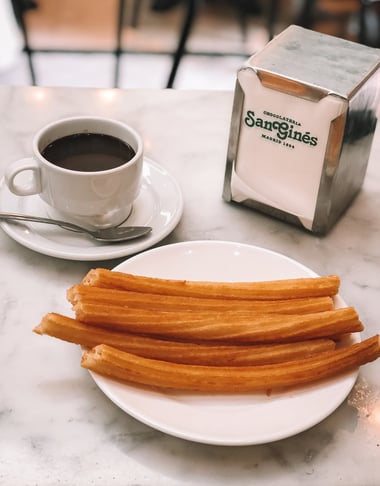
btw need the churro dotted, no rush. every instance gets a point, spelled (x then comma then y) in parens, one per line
(223, 326)
(71, 330)
(276, 289)
(175, 303)
(128, 367)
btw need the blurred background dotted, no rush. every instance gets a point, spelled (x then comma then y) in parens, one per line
(192, 44)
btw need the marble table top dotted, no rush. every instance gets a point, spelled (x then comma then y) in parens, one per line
(56, 425)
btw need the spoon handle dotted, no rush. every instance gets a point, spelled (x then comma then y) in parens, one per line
(39, 219)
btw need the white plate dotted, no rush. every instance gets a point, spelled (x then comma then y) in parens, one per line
(159, 204)
(222, 419)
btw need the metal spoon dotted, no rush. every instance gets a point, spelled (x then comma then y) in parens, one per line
(106, 235)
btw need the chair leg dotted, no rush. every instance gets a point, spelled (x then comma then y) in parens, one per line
(181, 47)
(272, 15)
(306, 15)
(135, 13)
(19, 8)
(118, 49)
(364, 37)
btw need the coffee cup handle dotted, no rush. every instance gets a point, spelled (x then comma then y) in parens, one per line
(32, 186)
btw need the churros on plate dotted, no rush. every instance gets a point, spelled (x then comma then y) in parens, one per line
(124, 366)
(267, 290)
(157, 302)
(208, 353)
(210, 336)
(222, 326)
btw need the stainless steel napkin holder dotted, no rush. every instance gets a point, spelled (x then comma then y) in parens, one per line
(303, 120)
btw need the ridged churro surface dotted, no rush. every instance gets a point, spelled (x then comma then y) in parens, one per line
(276, 289)
(131, 368)
(216, 354)
(211, 336)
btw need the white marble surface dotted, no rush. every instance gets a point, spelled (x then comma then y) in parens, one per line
(57, 427)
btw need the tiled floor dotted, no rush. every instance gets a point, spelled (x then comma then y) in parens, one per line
(90, 24)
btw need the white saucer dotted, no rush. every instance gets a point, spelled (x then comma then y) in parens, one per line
(159, 205)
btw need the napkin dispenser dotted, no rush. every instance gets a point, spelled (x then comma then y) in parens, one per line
(303, 120)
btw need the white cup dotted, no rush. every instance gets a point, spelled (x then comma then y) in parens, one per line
(98, 199)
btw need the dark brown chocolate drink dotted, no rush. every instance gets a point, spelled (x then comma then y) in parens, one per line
(88, 152)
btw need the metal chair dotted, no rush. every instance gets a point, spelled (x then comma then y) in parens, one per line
(20, 7)
(189, 17)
